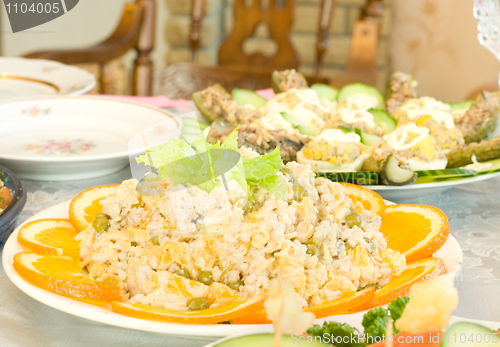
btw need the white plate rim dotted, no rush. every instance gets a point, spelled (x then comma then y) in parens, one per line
(83, 90)
(452, 183)
(78, 98)
(106, 316)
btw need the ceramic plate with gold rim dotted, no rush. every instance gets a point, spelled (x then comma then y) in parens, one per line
(66, 138)
(20, 77)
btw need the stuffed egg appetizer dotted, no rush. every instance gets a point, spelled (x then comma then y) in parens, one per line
(359, 111)
(412, 146)
(434, 115)
(302, 108)
(334, 150)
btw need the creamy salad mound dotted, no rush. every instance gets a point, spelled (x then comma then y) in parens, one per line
(187, 247)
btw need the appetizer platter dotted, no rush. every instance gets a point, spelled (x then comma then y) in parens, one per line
(393, 144)
(21, 77)
(164, 254)
(12, 200)
(60, 138)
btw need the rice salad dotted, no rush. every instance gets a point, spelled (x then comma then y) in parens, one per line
(166, 243)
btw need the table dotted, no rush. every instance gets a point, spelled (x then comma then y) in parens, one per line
(473, 211)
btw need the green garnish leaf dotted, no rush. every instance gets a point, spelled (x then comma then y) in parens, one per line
(396, 308)
(375, 324)
(260, 172)
(335, 330)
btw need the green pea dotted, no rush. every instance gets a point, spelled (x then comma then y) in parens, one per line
(205, 277)
(183, 272)
(236, 285)
(353, 219)
(299, 192)
(312, 249)
(196, 304)
(101, 223)
(134, 244)
(372, 247)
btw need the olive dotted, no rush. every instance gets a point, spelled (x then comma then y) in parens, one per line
(236, 285)
(353, 219)
(182, 272)
(101, 223)
(299, 192)
(205, 277)
(312, 249)
(372, 247)
(196, 304)
(134, 244)
(155, 240)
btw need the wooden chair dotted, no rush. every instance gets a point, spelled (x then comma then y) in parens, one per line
(238, 70)
(136, 30)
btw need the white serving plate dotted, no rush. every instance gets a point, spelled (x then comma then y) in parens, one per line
(61, 138)
(412, 191)
(450, 253)
(21, 77)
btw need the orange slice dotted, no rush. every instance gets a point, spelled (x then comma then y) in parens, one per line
(209, 316)
(399, 286)
(417, 231)
(85, 206)
(342, 305)
(59, 274)
(371, 201)
(49, 236)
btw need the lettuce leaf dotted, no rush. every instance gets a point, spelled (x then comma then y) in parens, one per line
(207, 165)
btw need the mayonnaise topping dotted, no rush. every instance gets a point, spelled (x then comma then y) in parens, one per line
(397, 139)
(356, 109)
(361, 102)
(477, 166)
(306, 96)
(274, 121)
(428, 106)
(331, 135)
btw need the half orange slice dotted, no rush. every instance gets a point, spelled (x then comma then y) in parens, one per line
(59, 274)
(49, 236)
(417, 231)
(370, 200)
(86, 206)
(209, 316)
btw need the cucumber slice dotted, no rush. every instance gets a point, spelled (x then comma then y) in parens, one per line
(392, 175)
(267, 340)
(383, 120)
(487, 169)
(191, 122)
(191, 130)
(303, 129)
(248, 97)
(325, 91)
(428, 176)
(459, 108)
(346, 130)
(465, 334)
(366, 139)
(359, 88)
(365, 178)
(190, 138)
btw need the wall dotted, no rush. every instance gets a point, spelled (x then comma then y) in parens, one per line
(436, 41)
